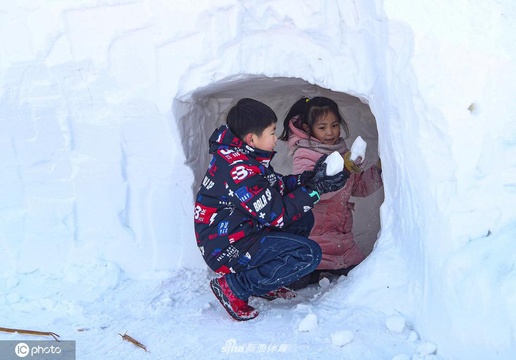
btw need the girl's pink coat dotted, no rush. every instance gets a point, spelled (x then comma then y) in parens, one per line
(333, 213)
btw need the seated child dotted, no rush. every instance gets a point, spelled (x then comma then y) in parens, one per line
(251, 223)
(312, 128)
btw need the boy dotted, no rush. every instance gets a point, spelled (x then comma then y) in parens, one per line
(252, 223)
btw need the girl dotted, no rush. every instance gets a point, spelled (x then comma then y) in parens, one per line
(312, 128)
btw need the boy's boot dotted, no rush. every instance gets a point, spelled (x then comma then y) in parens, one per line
(237, 308)
(282, 292)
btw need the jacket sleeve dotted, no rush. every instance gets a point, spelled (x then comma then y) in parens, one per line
(252, 193)
(292, 182)
(367, 182)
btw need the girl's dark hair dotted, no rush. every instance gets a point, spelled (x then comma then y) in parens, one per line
(309, 109)
(250, 116)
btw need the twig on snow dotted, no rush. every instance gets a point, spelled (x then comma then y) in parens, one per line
(133, 340)
(31, 332)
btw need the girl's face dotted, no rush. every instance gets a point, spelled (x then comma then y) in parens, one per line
(327, 129)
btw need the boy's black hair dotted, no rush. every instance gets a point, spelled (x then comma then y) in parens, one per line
(250, 116)
(309, 109)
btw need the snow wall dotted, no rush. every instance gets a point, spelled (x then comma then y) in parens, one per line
(106, 107)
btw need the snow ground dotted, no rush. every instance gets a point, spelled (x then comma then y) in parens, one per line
(177, 317)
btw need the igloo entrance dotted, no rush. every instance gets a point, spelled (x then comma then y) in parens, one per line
(201, 111)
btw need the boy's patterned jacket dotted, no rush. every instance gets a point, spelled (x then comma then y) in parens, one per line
(240, 200)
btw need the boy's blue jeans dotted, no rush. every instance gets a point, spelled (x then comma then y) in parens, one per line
(284, 257)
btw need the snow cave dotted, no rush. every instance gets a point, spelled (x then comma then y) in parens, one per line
(200, 112)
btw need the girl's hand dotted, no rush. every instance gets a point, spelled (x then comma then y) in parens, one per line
(361, 164)
(354, 166)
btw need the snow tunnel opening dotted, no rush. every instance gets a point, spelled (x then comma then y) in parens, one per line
(201, 111)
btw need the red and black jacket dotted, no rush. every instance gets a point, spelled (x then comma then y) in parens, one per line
(240, 200)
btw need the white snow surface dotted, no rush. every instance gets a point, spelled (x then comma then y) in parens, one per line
(105, 111)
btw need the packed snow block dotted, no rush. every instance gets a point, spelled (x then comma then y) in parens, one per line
(341, 338)
(324, 283)
(308, 323)
(334, 163)
(395, 323)
(426, 348)
(358, 149)
(413, 336)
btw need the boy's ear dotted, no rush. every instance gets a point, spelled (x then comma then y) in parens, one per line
(248, 139)
(305, 128)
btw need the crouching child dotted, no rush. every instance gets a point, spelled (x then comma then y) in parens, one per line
(251, 223)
